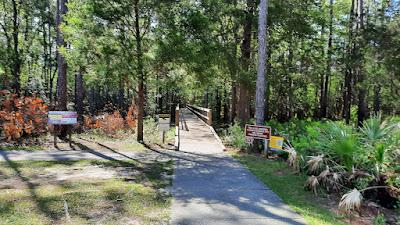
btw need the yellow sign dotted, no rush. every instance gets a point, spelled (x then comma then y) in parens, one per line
(276, 142)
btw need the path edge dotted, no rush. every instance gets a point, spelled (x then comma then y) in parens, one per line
(212, 131)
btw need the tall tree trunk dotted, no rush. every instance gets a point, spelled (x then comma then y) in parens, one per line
(121, 94)
(377, 99)
(79, 94)
(262, 59)
(267, 109)
(62, 64)
(233, 101)
(226, 105)
(140, 71)
(290, 91)
(362, 92)
(347, 95)
(52, 70)
(325, 93)
(206, 98)
(243, 112)
(218, 105)
(233, 68)
(16, 70)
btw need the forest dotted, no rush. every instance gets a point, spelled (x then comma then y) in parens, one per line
(325, 59)
(331, 85)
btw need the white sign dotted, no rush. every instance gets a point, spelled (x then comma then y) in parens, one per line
(163, 122)
(63, 117)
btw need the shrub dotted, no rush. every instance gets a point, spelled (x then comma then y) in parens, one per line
(110, 125)
(235, 136)
(131, 117)
(150, 131)
(341, 143)
(22, 117)
(153, 135)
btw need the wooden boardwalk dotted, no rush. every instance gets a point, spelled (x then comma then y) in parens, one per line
(210, 187)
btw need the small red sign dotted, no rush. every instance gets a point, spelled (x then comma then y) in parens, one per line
(258, 132)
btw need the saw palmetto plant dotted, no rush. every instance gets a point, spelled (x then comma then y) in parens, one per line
(315, 163)
(376, 129)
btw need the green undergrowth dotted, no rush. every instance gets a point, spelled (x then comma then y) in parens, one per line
(289, 186)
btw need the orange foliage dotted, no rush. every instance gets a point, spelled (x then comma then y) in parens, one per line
(131, 117)
(25, 116)
(112, 123)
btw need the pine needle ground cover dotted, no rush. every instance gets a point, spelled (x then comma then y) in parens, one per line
(84, 192)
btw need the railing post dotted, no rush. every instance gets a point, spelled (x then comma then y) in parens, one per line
(177, 132)
(209, 117)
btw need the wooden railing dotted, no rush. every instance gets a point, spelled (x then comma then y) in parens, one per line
(204, 113)
(177, 132)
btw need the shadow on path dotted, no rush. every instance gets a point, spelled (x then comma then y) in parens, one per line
(85, 148)
(40, 202)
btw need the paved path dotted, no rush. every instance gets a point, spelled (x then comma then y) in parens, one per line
(210, 187)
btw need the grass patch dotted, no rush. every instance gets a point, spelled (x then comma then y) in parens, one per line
(132, 146)
(41, 199)
(98, 135)
(29, 148)
(277, 176)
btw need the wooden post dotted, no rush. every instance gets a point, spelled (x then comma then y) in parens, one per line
(266, 148)
(177, 137)
(209, 117)
(70, 136)
(55, 135)
(177, 115)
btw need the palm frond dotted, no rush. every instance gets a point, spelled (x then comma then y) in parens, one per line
(312, 183)
(315, 163)
(324, 173)
(351, 200)
(335, 181)
(292, 159)
(375, 129)
(356, 174)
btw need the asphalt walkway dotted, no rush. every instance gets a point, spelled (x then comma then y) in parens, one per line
(210, 187)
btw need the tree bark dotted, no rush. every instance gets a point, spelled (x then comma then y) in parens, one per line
(62, 64)
(16, 70)
(377, 99)
(347, 95)
(233, 101)
(79, 94)
(140, 72)
(226, 105)
(218, 105)
(62, 97)
(362, 92)
(262, 59)
(325, 92)
(243, 111)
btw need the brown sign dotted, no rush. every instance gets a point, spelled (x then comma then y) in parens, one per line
(258, 132)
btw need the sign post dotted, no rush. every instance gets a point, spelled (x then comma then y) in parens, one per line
(62, 118)
(164, 121)
(258, 132)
